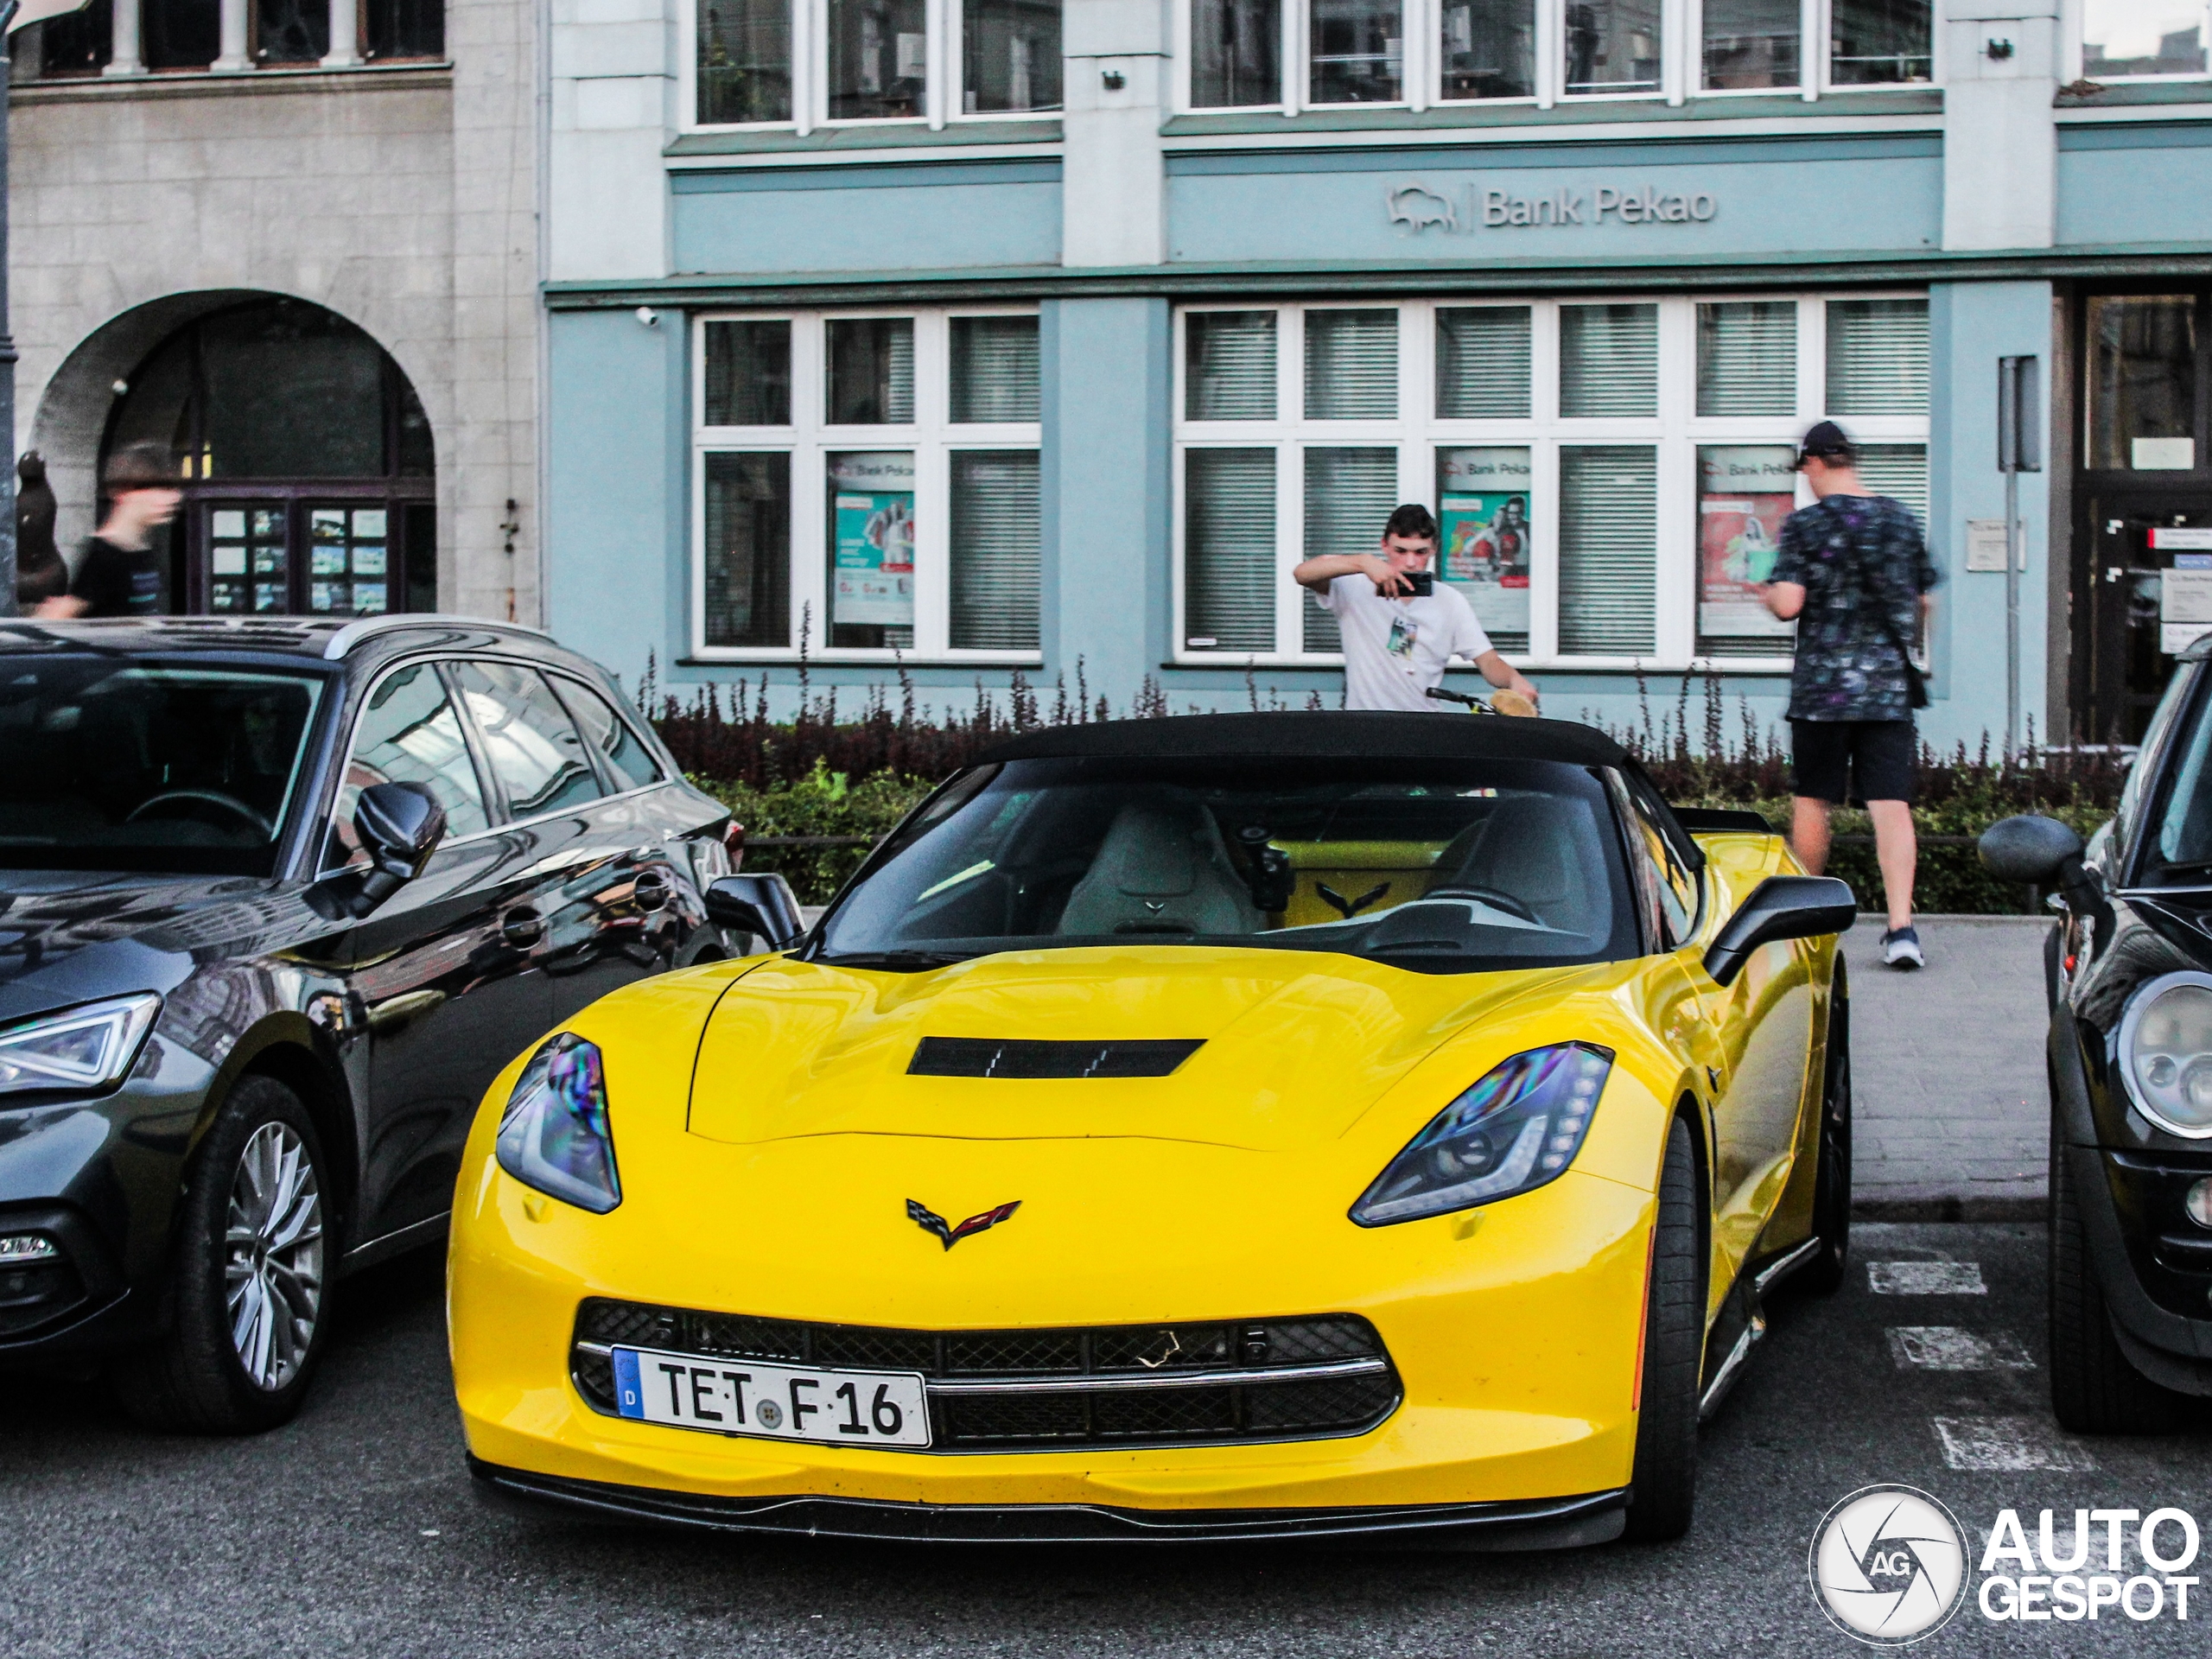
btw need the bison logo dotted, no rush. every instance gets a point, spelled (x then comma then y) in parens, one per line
(1417, 209)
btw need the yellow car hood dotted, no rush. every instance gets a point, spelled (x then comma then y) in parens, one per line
(1297, 1044)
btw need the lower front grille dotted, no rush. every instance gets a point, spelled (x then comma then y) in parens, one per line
(1054, 1390)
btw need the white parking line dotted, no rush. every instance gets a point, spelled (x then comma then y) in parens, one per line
(1925, 1279)
(1946, 1348)
(2008, 1443)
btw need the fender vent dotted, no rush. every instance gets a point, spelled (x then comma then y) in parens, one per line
(988, 1057)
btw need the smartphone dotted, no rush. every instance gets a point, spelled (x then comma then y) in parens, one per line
(1424, 583)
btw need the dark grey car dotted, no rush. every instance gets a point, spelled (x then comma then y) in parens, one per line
(236, 1062)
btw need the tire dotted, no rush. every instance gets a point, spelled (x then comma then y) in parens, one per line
(258, 1175)
(2094, 1391)
(1663, 1494)
(1823, 1275)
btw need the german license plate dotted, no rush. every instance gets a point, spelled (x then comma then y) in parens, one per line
(782, 1402)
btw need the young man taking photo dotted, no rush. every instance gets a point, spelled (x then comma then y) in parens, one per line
(1853, 570)
(1401, 625)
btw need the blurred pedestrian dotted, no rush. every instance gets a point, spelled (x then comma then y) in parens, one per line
(120, 574)
(1852, 568)
(41, 574)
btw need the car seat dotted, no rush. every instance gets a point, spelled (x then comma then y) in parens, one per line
(1543, 850)
(1161, 868)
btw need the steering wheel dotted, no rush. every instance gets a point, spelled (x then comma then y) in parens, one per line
(207, 797)
(1496, 898)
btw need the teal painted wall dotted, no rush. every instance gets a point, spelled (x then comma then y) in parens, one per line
(2120, 186)
(885, 218)
(1781, 197)
(1971, 325)
(616, 496)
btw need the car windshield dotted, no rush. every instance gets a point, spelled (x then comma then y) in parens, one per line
(112, 764)
(1443, 866)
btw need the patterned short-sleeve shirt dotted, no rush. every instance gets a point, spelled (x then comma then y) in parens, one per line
(1850, 553)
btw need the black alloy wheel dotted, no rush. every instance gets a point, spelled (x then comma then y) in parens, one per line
(252, 1294)
(1823, 1275)
(1663, 1497)
(2093, 1389)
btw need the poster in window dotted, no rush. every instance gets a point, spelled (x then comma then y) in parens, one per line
(1483, 495)
(1744, 493)
(872, 539)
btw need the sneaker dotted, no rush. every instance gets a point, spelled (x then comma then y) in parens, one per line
(1901, 949)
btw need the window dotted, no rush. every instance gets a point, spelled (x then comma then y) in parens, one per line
(1612, 45)
(408, 734)
(872, 60)
(2122, 39)
(620, 750)
(1750, 44)
(872, 479)
(403, 28)
(1236, 53)
(1871, 42)
(187, 35)
(1610, 476)
(744, 61)
(536, 751)
(2142, 382)
(1489, 48)
(1298, 55)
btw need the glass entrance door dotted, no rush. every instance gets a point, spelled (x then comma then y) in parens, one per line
(312, 553)
(2146, 595)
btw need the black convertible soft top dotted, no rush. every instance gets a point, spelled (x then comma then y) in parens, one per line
(1390, 735)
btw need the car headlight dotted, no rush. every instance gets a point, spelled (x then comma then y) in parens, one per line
(86, 1049)
(554, 1135)
(1517, 1128)
(2165, 1053)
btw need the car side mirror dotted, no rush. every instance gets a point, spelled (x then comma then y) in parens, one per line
(2039, 851)
(399, 826)
(1781, 907)
(763, 906)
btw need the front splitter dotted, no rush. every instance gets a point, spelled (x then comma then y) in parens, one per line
(1545, 1524)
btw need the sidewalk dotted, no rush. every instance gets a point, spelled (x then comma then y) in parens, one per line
(1948, 1072)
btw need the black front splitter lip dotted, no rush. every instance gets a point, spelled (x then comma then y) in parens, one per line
(1543, 1523)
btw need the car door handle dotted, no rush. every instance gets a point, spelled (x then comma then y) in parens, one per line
(522, 927)
(650, 890)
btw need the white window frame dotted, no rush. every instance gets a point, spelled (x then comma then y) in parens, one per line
(946, 22)
(1416, 433)
(1681, 62)
(2073, 24)
(810, 439)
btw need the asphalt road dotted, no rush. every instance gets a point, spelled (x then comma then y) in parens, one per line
(353, 1530)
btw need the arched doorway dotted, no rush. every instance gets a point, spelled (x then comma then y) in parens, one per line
(306, 464)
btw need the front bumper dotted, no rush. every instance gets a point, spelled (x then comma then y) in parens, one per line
(1553, 1524)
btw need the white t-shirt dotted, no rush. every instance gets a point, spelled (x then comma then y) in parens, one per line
(1395, 648)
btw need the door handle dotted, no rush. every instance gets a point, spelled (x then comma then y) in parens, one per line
(650, 890)
(522, 927)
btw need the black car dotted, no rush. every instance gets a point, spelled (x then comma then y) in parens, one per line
(277, 900)
(2130, 1059)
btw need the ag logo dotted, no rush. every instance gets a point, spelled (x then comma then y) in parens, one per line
(1889, 1565)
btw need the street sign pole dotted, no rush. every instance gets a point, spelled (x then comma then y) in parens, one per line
(2019, 449)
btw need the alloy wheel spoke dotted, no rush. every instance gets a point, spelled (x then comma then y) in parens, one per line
(273, 1266)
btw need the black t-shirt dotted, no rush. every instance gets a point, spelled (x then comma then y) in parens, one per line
(117, 580)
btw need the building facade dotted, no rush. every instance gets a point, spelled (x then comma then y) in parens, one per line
(298, 245)
(954, 338)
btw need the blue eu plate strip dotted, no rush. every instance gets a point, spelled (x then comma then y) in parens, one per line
(627, 1394)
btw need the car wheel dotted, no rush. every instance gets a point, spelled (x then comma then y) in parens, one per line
(1663, 1493)
(2094, 1391)
(1823, 1275)
(251, 1297)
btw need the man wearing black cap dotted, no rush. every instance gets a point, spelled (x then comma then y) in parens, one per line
(1853, 570)
(120, 574)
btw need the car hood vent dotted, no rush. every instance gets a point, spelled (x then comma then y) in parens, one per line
(991, 1057)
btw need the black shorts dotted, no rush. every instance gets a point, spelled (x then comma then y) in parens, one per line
(1851, 762)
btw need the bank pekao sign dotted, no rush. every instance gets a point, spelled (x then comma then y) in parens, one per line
(1414, 208)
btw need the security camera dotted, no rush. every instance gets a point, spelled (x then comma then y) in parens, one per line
(650, 317)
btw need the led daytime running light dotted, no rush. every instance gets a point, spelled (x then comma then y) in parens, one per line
(555, 1134)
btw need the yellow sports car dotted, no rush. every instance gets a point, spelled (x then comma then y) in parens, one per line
(1221, 1127)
